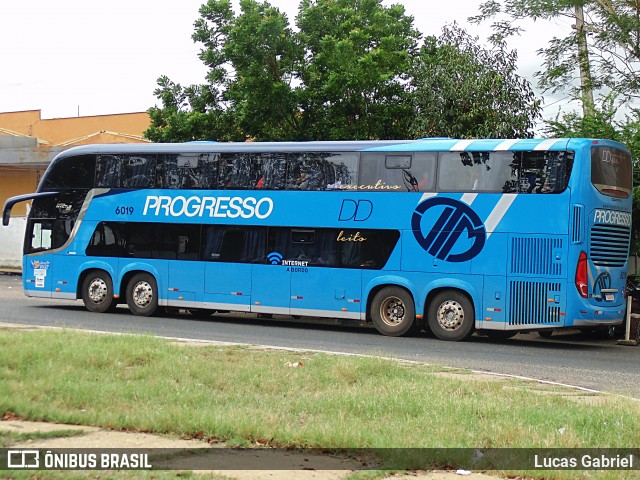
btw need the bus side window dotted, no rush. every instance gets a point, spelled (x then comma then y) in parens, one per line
(545, 172)
(237, 171)
(367, 248)
(401, 172)
(321, 171)
(229, 244)
(270, 171)
(108, 171)
(138, 171)
(234, 244)
(180, 171)
(105, 241)
(72, 172)
(476, 171)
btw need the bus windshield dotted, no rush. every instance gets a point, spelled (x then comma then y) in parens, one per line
(611, 171)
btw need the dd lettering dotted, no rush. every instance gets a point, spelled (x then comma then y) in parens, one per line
(358, 211)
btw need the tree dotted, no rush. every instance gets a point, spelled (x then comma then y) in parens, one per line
(462, 90)
(250, 91)
(604, 44)
(602, 124)
(341, 76)
(358, 53)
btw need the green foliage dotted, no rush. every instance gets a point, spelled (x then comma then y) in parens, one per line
(613, 41)
(351, 70)
(358, 53)
(341, 76)
(464, 91)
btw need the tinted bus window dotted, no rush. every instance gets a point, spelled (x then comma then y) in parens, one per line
(399, 172)
(477, 171)
(330, 247)
(138, 171)
(106, 241)
(611, 171)
(108, 171)
(270, 171)
(368, 249)
(223, 243)
(192, 171)
(253, 170)
(322, 171)
(71, 172)
(166, 241)
(545, 172)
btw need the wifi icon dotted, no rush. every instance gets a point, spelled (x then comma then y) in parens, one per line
(274, 257)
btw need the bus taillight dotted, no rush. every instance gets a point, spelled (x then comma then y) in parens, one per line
(581, 276)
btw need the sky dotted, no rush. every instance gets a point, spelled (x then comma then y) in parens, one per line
(77, 58)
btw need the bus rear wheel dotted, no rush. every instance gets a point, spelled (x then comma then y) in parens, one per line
(451, 315)
(142, 294)
(393, 312)
(97, 292)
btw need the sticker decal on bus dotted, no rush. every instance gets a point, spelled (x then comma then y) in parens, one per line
(449, 219)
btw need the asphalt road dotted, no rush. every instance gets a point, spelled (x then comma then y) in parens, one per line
(572, 358)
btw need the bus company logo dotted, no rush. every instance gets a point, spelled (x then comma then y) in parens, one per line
(449, 219)
(612, 217)
(603, 282)
(212, 207)
(274, 258)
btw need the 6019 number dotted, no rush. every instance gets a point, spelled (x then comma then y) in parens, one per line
(124, 210)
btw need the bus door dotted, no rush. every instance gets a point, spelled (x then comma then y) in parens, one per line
(270, 289)
(326, 292)
(270, 276)
(228, 252)
(320, 285)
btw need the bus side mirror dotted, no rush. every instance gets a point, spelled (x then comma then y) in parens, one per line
(6, 214)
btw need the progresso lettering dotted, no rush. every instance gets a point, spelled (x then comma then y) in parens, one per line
(212, 207)
(612, 217)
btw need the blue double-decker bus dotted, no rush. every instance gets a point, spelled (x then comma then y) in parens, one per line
(456, 236)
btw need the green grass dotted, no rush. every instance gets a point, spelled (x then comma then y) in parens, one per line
(9, 438)
(245, 396)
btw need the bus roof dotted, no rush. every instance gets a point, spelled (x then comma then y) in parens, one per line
(425, 145)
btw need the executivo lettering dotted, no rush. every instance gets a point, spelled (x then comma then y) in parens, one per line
(212, 207)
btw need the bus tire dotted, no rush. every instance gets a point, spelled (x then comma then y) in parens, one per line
(451, 315)
(142, 294)
(97, 292)
(393, 312)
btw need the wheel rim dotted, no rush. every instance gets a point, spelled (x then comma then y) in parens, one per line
(392, 311)
(450, 315)
(97, 290)
(142, 294)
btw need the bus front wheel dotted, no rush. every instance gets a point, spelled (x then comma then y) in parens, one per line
(97, 292)
(142, 294)
(392, 312)
(451, 315)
